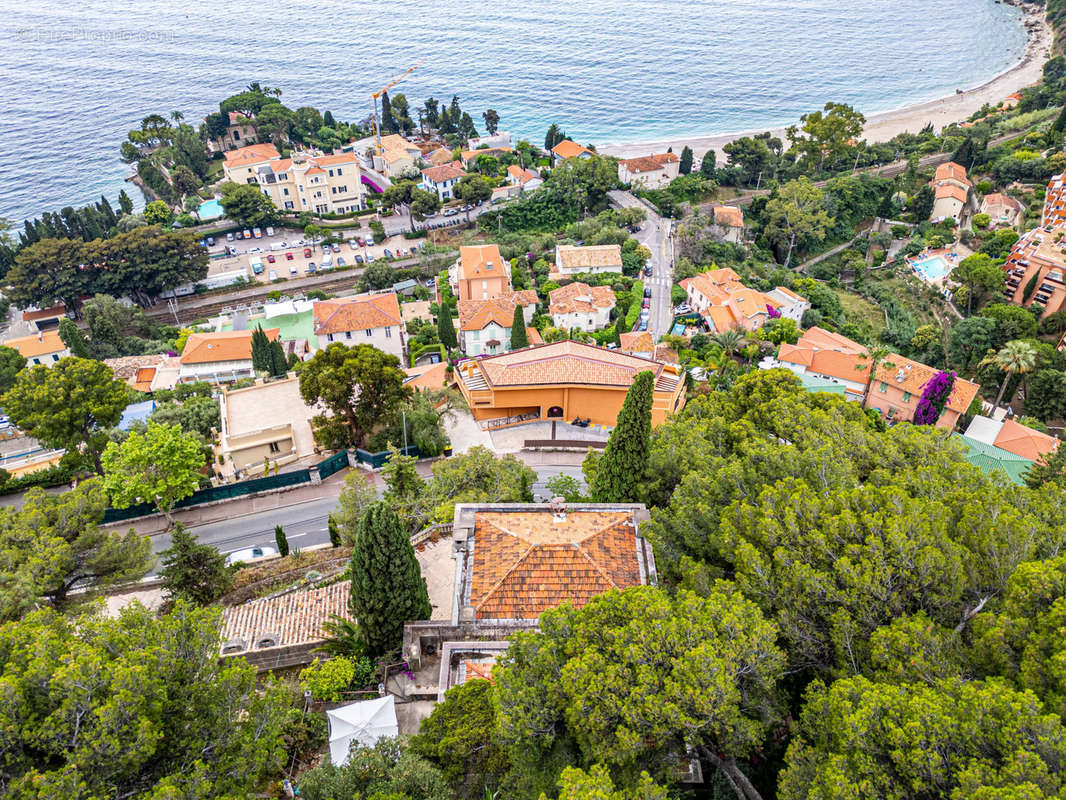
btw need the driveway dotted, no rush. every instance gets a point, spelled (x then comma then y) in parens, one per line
(657, 235)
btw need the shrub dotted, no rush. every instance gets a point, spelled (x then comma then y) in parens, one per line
(328, 680)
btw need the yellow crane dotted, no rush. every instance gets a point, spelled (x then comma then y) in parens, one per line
(380, 92)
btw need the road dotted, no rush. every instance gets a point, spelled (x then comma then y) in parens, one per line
(305, 524)
(656, 235)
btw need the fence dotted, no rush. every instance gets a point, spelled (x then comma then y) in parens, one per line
(581, 444)
(378, 460)
(333, 464)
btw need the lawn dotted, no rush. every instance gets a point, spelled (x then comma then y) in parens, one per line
(859, 310)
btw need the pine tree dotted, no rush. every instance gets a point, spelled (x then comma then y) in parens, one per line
(387, 585)
(445, 327)
(685, 167)
(261, 357)
(519, 339)
(282, 540)
(193, 571)
(73, 338)
(124, 202)
(625, 459)
(334, 532)
(279, 364)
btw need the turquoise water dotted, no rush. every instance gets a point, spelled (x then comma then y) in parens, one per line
(933, 268)
(210, 209)
(75, 77)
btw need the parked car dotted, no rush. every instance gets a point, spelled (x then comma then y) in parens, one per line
(647, 291)
(288, 255)
(643, 325)
(229, 236)
(388, 254)
(249, 554)
(325, 249)
(270, 231)
(307, 252)
(312, 267)
(257, 233)
(684, 308)
(293, 270)
(369, 241)
(369, 257)
(272, 275)
(358, 259)
(210, 241)
(361, 241)
(336, 247)
(647, 303)
(247, 234)
(231, 250)
(341, 262)
(450, 212)
(467, 207)
(270, 258)
(647, 272)
(239, 235)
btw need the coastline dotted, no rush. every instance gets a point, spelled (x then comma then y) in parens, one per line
(884, 125)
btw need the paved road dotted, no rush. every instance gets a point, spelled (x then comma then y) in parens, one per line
(656, 235)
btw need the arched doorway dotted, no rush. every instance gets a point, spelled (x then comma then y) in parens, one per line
(555, 412)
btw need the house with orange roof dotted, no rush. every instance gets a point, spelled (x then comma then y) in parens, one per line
(468, 157)
(426, 377)
(480, 273)
(573, 260)
(563, 380)
(954, 195)
(372, 319)
(514, 561)
(727, 224)
(1012, 436)
(308, 181)
(1003, 210)
(897, 384)
(526, 179)
(219, 356)
(485, 325)
(725, 303)
(650, 172)
(42, 348)
(567, 149)
(1035, 271)
(578, 305)
(396, 155)
(439, 157)
(442, 179)
(637, 343)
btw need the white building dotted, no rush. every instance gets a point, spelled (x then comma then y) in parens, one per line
(578, 305)
(373, 319)
(651, 172)
(324, 184)
(595, 259)
(442, 179)
(219, 357)
(485, 325)
(44, 347)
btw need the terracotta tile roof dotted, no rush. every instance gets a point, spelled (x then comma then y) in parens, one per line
(666, 354)
(335, 159)
(471, 155)
(951, 172)
(911, 376)
(440, 156)
(534, 336)
(474, 315)
(444, 172)
(143, 381)
(480, 261)
(636, 342)
(565, 362)
(997, 199)
(315, 171)
(569, 149)
(652, 163)
(293, 618)
(582, 258)
(730, 216)
(528, 562)
(1025, 442)
(523, 175)
(38, 344)
(580, 297)
(356, 313)
(238, 118)
(251, 154)
(203, 348)
(946, 190)
(44, 313)
(129, 367)
(427, 376)
(479, 669)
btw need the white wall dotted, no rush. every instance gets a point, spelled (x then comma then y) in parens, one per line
(387, 339)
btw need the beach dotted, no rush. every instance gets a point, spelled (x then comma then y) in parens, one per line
(883, 126)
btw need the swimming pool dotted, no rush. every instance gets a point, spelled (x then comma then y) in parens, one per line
(210, 209)
(933, 268)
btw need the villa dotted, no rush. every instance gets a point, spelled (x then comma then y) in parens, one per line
(895, 389)
(240, 131)
(397, 154)
(42, 348)
(468, 157)
(563, 380)
(325, 184)
(578, 305)
(485, 325)
(649, 172)
(219, 357)
(1035, 271)
(567, 149)
(526, 179)
(954, 194)
(727, 224)
(442, 179)
(571, 260)
(1003, 210)
(372, 319)
(480, 273)
(725, 303)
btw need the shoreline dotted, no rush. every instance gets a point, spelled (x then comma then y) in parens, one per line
(882, 126)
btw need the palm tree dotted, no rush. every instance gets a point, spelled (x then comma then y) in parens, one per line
(875, 357)
(177, 116)
(715, 359)
(1016, 358)
(730, 340)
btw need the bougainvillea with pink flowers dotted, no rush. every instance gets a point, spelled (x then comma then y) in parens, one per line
(772, 312)
(935, 396)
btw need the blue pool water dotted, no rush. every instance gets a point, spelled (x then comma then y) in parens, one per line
(211, 209)
(933, 268)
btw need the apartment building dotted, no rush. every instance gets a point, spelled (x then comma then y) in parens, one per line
(323, 184)
(372, 319)
(650, 172)
(1035, 271)
(442, 179)
(725, 303)
(480, 273)
(1054, 216)
(954, 194)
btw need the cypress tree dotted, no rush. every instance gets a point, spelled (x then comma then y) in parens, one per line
(124, 202)
(1059, 125)
(279, 365)
(965, 154)
(388, 124)
(519, 339)
(282, 540)
(261, 356)
(334, 532)
(707, 165)
(685, 167)
(387, 585)
(73, 338)
(445, 327)
(625, 459)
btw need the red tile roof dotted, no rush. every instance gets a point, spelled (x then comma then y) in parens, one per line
(203, 348)
(565, 362)
(1024, 441)
(445, 172)
(652, 163)
(356, 313)
(252, 154)
(569, 149)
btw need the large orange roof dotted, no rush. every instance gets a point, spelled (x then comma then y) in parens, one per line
(203, 348)
(912, 376)
(38, 344)
(251, 154)
(946, 190)
(951, 172)
(480, 261)
(566, 362)
(444, 172)
(1024, 441)
(526, 563)
(474, 315)
(730, 216)
(652, 163)
(569, 149)
(356, 313)
(580, 297)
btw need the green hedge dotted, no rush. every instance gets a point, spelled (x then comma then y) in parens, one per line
(635, 304)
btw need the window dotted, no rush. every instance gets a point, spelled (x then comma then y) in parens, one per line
(347, 334)
(329, 337)
(388, 333)
(369, 332)
(55, 357)
(236, 134)
(331, 173)
(288, 204)
(340, 171)
(36, 361)
(285, 191)
(906, 397)
(281, 177)
(884, 386)
(274, 448)
(475, 335)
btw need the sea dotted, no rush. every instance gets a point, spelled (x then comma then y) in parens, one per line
(75, 77)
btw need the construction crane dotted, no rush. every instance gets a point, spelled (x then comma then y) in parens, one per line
(380, 92)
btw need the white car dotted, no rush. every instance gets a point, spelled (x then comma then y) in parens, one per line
(249, 554)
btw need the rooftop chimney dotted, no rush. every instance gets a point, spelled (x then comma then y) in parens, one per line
(558, 508)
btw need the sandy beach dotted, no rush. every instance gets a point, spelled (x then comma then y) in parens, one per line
(882, 126)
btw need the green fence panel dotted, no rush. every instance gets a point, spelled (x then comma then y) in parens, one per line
(333, 464)
(378, 460)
